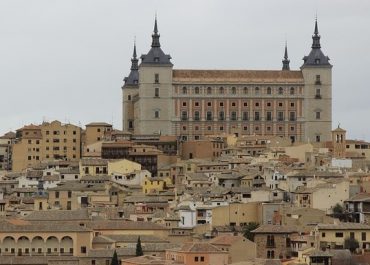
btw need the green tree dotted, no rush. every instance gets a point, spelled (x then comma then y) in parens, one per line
(247, 230)
(338, 209)
(139, 249)
(114, 259)
(351, 244)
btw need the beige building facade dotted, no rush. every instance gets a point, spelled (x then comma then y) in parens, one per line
(48, 141)
(192, 104)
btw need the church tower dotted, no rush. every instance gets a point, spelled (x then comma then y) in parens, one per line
(154, 109)
(129, 90)
(317, 74)
(339, 142)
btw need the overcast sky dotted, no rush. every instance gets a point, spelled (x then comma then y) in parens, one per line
(66, 59)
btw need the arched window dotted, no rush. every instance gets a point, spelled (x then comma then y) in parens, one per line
(292, 90)
(184, 90)
(281, 91)
(196, 90)
(221, 90)
(156, 114)
(209, 90)
(233, 90)
(269, 91)
(257, 90)
(245, 90)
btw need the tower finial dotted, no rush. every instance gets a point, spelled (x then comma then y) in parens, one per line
(286, 61)
(316, 37)
(155, 36)
(134, 60)
(134, 55)
(155, 24)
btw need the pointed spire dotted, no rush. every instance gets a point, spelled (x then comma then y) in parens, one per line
(134, 60)
(316, 37)
(286, 61)
(155, 36)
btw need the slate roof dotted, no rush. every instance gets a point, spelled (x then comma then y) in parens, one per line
(344, 226)
(124, 225)
(40, 227)
(227, 240)
(58, 215)
(360, 197)
(202, 247)
(279, 229)
(98, 124)
(237, 76)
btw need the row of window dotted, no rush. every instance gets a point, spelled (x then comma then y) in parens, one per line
(351, 235)
(245, 128)
(234, 116)
(36, 250)
(221, 90)
(54, 140)
(245, 104)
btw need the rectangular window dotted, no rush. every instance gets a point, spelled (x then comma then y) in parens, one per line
(256, 116)
(338, 234)
(233, 116)
(201, 258)
(83, 249)
(209, 115)
(269, 116)
(318, 115)
(196, 259)
(363, 236)
(130, 124)
(221, 115)
(245, 116)
(57, 194)
(156, 78)
(292, 116)
(184, 115)
(280, 116)
(156, 92)
(196, 116)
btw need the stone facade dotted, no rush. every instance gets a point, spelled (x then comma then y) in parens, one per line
(192, 104)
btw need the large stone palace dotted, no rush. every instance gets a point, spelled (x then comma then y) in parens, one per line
(194, 103)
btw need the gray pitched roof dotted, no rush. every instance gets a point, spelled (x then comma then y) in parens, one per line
(316, 56)
(156, 55)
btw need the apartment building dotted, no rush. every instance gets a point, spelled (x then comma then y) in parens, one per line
(48, 141)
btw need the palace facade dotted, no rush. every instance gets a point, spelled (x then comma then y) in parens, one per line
(192, 103)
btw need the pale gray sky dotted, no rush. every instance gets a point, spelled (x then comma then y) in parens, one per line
(66, 59)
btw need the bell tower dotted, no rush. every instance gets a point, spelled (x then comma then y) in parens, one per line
(339, 142)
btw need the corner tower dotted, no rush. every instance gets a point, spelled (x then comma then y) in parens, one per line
(154, 110)
(129, 91)
(317, 75)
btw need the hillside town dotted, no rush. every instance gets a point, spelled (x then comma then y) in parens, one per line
(208, 167)
(77, 196)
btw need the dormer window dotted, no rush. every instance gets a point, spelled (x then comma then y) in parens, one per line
(317, 61)
(156, 59)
